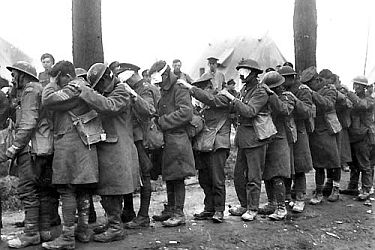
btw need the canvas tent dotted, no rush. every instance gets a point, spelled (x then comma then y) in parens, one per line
(371, 75)
(9, 55)
(231, 51)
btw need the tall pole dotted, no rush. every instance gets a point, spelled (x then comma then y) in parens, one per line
(368, 35)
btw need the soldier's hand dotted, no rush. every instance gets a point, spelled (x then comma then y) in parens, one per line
(11, 152)
(225, 92)
(304, 86)
(288, 93)
(184, 83)
(129, 89)
(268, 90)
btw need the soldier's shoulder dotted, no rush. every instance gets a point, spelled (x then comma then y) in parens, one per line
(33, 87)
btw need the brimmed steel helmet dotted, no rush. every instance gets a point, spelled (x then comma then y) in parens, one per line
(286, 71)
(250, 64)
(96, 71)
(80, 72)
(308, 74)
(24, 67)
(361, 80)
(273, 79)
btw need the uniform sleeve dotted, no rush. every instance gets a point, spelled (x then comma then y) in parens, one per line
(304, 105)
(283, 105)
(28, 119)
(144, 106)
(361, 104)
(57, 99)
(255, 104)
(189, 79)
(217, 101)
(115, 103)
(182, 115)
(325, 101)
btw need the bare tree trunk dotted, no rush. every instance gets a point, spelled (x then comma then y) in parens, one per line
(87, 33)
(305, 26)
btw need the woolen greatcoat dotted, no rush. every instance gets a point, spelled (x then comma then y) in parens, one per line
(323, 145)
(175, 112)
(343, 109)
(118, 158)
(302, 112)
(278, 151)
(73, 162)
(217, 108)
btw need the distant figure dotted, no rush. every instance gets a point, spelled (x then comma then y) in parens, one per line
(289, 64)
(146, 76)
(217, 77)
(47, 61)
(177, 71)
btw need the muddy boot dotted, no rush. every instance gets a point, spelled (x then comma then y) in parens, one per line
(64, 241)
(237, 210)
(138, 222)
(327, 189)
(204, 215)
(82, 232)
(364, 195)
(271, 206)
(100, 228)
(177, 219)
(280, 213)
(165, 214)
(112, 206)
(30, 237)
(218, 217)
(317, 198)
(351, 190)
(335, 196)
(249, 215)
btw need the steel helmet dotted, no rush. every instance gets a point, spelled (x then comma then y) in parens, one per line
(361, 80)
(287, 71)
(273, 79)
(250, 64)
(80, 72)
(308, 74)
(96, 71)
(24, 67)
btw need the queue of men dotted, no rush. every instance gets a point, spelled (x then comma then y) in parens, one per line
(104, 131)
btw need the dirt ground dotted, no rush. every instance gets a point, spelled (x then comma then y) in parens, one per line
(346, 224)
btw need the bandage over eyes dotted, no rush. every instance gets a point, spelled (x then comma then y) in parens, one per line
(156, 76)
(244, 72)
(124, 76)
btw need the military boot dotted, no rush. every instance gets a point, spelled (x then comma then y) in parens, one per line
(127, 215)
(138, 222)
(177, 219)
(280, 213)
(28, 238)
(65, 241)
(82, 232)
(327, 188)
(335, 196)
(204, 215)
(351, 190)
(165, 214)
(317, 198)
(268, 209)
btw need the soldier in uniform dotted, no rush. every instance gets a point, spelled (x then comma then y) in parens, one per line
(34, 175)
(175, 111)
(75, 165)
(323, 141)
(278, 156)
(210, 164)
(47, 61)
(176, 65)
(146, 101)
(251, 153)
(303, 113)
(217, 78)
(361, 134)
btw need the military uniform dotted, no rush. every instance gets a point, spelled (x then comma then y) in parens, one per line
(211, 165)
(251, 153)
(217, 79)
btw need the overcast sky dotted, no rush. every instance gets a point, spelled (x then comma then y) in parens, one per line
(143, 31)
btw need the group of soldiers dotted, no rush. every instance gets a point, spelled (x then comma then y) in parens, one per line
(80, 133)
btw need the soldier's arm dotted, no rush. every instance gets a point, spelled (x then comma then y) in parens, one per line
(144, 105)
(303, 106)
(255, 104)
(217, 101)
(326, 101)
(182, 115)
(28, 120)
(189, 79)
(282, 105)
(59, 99)
(361, 104)
(116, 102)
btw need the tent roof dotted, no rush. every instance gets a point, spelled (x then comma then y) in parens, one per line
(231, 51)
(9, 55)
(371, 75)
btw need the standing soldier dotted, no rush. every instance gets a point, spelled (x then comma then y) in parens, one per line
(361, 134)
(278, 156)
(117, 155)
(210, 162)
(34, 173)
(217, 78)
(251, 150)
(323, 141)
(175, 112)
(176, 65)
(145, 101)
(303, 113)
(47, 61)
(75, 165)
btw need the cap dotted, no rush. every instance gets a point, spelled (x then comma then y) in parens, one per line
(127, 66)
(308, 74)
(203, 81)
(212, 59)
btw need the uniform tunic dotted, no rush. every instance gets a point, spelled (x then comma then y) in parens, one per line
(175, 112)
(323, 145)
(217, 79)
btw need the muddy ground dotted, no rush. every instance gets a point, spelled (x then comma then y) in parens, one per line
(346, 224)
